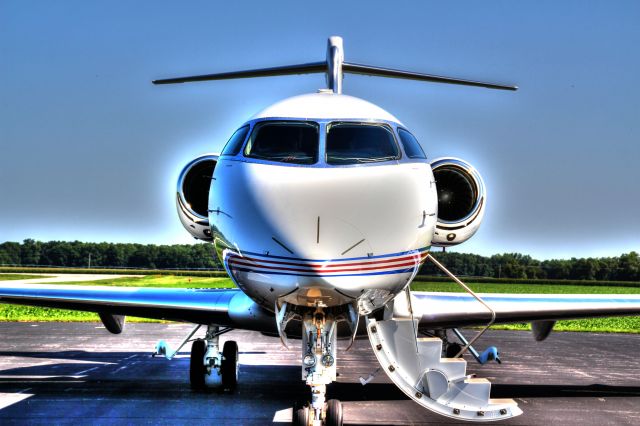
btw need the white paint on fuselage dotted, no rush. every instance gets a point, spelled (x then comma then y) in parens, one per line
(326, 105)
(366, 212)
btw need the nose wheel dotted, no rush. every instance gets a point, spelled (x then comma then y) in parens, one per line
(303, 416)
(333, 415)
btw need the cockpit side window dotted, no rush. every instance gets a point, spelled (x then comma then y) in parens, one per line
(411, 146)
(285, 142)
(356, 143)
(234, 145)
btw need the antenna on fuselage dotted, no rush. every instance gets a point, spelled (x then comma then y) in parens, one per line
(334, 67)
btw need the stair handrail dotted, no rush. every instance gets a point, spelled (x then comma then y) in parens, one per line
(478, 298)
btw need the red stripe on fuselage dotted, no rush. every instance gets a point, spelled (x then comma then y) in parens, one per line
(240, 262)
(331, 264)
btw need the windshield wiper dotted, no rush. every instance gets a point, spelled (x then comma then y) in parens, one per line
(387, 158)
(360, 159)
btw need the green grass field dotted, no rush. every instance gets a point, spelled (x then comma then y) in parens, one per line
(6, 277)
(162, 281)
(619, 324)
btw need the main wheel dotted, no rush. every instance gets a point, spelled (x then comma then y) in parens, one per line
(197, 369)
(334, 413)
(301, 416)
(229, 365)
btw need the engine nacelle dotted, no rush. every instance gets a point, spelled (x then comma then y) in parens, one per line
(461, 201)
(193, 196)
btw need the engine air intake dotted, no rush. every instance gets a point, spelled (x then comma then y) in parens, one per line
(193, 196)
(461, 200)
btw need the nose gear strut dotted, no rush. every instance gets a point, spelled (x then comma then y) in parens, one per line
(319, 344)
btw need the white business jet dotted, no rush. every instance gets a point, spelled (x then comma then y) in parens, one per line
(322, 209)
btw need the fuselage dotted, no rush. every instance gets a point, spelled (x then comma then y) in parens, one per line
(322, 203)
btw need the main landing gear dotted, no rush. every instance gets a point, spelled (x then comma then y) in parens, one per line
(319, 344)
(210, 368)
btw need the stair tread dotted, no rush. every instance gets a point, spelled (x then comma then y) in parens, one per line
(477, 380)
(502, 401)
(429, 339)
(453, 360)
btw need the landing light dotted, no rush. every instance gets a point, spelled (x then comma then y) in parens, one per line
(327, 360)
(309, 360)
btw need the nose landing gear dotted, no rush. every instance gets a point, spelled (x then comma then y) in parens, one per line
(319, 344)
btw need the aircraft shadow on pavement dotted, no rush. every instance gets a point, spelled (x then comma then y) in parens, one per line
(562, 391)
(253, 378)
(81, 355)
(71, 355)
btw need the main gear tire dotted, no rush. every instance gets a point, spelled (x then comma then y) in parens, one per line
(197, 370)
(229, 365)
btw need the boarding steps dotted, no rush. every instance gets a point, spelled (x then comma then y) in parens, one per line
(439, 384)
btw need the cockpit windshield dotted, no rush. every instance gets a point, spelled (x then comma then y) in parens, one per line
(356, 143)
(234, 145)
(287, 142)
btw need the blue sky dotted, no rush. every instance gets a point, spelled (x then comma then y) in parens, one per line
(90, 149)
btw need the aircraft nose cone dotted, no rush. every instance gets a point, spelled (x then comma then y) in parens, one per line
(323, 213)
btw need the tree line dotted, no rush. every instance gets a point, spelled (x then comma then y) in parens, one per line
(625, 267)
(118, 255)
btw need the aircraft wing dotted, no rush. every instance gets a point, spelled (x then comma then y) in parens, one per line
(232, 308)
(447, 310)
(224, 307)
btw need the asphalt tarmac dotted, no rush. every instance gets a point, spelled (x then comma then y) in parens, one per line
(77, 373)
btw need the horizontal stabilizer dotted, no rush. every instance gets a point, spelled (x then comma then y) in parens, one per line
(310, 68)
(318, 67)
(410, 75)
(334, 67)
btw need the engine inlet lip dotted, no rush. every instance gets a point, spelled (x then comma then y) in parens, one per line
(476, 180)
(186, 207)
